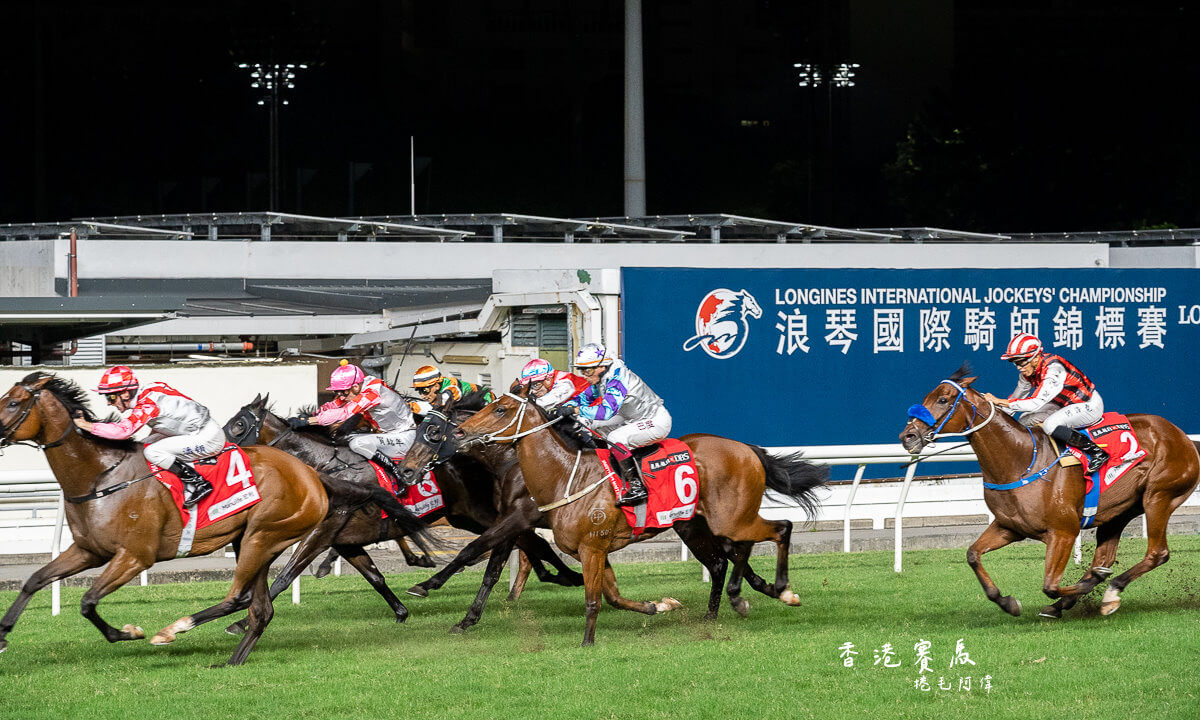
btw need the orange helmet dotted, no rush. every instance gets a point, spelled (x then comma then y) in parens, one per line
(117, 379)
(426, 375)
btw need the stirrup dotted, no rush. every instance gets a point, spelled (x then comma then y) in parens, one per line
(195, 491)
(1096, 461)
(635, 494)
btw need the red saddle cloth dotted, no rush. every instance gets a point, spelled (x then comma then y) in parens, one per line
(422, 498)
(1115, 435)
(233, 487)
(671, 479)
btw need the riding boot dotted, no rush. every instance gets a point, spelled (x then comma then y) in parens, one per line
(195, 487)
(389, 466)
(635, 490)
(1095, 454)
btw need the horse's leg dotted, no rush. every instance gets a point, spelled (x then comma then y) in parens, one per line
(120, 570)
(412, 558)
(1158, 512)
(739, 555)
(73, 561)
(326, 565)
(993, 538)
(362, 562)
(505, 529)
(698, 537)
(1108, 536)
(779, 532)
(524, 566)
(593, 560)
(490, 577)
(538, 550)
(614, 598)
(261, 612)
(1059, 546)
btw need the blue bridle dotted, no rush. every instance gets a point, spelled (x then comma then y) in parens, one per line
(922, 413)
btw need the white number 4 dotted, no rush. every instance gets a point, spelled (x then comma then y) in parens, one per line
(238, 473)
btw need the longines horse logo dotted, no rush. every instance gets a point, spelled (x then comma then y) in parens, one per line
(721, 327)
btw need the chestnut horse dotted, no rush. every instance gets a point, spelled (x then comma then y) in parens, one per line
(1049, 507)
(118, 518)
(731, 476)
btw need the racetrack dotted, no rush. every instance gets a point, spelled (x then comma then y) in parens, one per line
(338, 655)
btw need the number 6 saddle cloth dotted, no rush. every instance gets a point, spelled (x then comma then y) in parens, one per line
(1115, 435)
(421, 499)
(669, 471)
(233, 488)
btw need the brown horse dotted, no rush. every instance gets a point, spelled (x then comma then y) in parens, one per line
(118, 518)
(732, 478)
(1050, 508)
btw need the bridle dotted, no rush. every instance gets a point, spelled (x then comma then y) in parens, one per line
(254, 428)
(922, 413)
(494, 437)
(5, 437)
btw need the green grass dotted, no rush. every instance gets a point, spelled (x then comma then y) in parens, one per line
(338, 654)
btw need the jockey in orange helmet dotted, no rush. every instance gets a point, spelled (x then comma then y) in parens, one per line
(356, 393)
(182, 430)
(438, 390)
(1052, 391)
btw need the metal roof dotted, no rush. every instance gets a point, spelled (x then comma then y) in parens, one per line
(44, 321)
(509, 227)
(721, 227)
(926, 234)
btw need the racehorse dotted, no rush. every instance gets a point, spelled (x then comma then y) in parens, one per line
(466, 486)
(128, 524)
(731, 478)
(1051, 509)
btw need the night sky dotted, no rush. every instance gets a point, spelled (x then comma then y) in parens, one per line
(998, 116)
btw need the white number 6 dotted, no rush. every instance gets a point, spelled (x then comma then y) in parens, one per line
(686, 486)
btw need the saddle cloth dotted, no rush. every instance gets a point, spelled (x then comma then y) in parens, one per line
(669, 471)
(233, 487)
(1115, 435)
(422, 498)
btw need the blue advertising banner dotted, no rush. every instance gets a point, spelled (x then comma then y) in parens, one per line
(834, 357)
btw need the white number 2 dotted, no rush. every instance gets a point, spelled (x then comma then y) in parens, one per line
(238, 474)
(1133, 443)
(686, 486)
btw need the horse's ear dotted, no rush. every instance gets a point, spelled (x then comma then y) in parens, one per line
(966, 382)
(41, 382)
(257, 399)
(265, 399)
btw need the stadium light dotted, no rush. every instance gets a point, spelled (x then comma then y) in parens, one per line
(274, 80)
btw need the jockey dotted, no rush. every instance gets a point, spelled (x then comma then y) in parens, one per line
(1055, 393)
(438, 390)
(182, 430)
(622, 408)
(549, 387)
(382, 407)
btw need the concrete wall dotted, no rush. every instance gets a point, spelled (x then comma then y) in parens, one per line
(1155, 257)
(27, 268)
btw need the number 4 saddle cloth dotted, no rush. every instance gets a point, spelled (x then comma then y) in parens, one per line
(1115, 435)
(422, 498)
(669, 471)
(233, 489)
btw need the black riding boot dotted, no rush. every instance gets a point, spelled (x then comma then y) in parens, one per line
(635, 490)
(389, 466)
(1096, 455)
(195, 488)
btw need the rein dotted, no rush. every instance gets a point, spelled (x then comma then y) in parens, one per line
(97, 494)
(920, 412)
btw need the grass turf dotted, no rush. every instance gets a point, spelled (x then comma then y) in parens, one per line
(338, 654)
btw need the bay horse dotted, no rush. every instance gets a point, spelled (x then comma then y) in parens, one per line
(1050, 509)
(119, 519)
(731, 476)
(466, 485)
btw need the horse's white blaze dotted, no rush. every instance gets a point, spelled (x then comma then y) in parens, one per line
(787, 597)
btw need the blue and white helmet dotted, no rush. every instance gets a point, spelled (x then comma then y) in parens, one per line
(592, 355)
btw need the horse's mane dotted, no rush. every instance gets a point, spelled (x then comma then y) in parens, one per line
(961, 372)
(471, 402)
(75, 400)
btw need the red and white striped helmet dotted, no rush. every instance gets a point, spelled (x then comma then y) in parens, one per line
(1022, 345)
(117, 379)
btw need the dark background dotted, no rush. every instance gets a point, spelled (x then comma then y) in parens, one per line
(1003, 115)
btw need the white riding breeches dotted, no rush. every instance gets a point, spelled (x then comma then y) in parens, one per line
(394, 444)
(1077, 415)
(640, 432)
(206, 442)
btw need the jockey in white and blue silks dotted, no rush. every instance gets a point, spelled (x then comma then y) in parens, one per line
(622, 408)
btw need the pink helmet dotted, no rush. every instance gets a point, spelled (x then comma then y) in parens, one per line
(1022, 345)
(535, 370)
(345, 377)
(117, 379)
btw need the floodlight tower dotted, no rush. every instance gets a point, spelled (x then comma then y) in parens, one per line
(274, 80)
(813, 75)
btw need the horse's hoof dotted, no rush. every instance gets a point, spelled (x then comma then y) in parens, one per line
(1102, 572)
(458, 629)
(787, 597)
(424, 561)
(710, 615)
(1011, 605)
(134, 632)
(237, 629)
(401, 617)
(667, 605)
(3, 645)
(1109, 608)
(1051, 611)
(162, 638)
(322, 571)
(740, 605)
(418, 591)
(1110, 602)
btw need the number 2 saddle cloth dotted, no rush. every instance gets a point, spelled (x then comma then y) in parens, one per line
(669, 471)
(1115, 435)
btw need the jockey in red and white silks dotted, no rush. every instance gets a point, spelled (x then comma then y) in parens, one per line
(182, 430)
(549, 387)
(356, 393)
(1053, 392)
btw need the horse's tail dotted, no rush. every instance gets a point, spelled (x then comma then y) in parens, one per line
(793, 477)
(346, 496)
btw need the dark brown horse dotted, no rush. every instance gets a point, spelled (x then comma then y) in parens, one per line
(731, 476)
(119, 517)
(466, 485)
(1050, 508)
